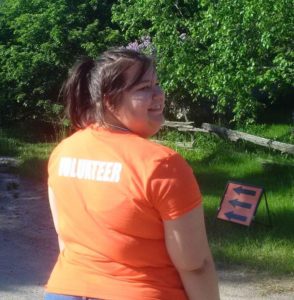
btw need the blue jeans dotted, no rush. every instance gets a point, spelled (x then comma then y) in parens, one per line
(51, 296)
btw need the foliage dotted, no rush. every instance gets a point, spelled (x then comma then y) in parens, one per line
(39, 41)
(231, 56)
(226, 59)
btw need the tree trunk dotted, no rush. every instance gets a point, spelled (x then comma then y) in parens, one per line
(233, 135)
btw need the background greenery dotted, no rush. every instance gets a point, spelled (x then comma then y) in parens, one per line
(226, 61)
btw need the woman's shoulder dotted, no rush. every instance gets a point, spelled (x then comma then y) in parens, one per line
(150, 147)
(68, 142)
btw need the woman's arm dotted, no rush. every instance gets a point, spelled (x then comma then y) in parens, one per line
(53, 208)
(188, 248)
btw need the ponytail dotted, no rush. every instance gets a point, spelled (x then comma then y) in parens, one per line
(80, 105)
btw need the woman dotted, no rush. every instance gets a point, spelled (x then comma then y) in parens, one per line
(127, 211)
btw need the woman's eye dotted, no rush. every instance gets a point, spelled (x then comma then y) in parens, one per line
(145, 87)
(148, 86)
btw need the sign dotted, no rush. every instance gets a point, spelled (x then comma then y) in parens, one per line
(239, 203)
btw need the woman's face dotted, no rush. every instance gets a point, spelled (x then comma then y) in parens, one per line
(141, 107)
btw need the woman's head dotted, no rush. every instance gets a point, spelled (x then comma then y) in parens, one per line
(97, 90)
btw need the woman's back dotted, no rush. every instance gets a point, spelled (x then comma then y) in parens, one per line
(113, 189)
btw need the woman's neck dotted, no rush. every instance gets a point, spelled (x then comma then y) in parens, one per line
(112, 122)
(113, 126)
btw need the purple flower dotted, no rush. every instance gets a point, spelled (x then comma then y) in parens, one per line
(144, 45)
(133, 46)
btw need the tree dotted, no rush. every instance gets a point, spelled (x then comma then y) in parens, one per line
(39, 41)
(222, 54)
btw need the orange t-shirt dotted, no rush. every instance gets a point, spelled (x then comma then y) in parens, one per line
(113, 190)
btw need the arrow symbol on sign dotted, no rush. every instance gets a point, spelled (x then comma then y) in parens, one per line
(239, 190)
(231, 216)
(236, 202)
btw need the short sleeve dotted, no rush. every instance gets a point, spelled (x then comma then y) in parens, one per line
(173, 188)
(53, 164)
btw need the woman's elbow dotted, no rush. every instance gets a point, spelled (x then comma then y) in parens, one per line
(199, 265)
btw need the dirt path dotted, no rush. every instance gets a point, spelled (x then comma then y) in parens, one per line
(28, 249)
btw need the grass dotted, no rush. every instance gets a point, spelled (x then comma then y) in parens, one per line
(279, 132)
(215, 162)
(32, 155)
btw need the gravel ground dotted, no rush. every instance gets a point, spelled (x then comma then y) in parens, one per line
(28, 250)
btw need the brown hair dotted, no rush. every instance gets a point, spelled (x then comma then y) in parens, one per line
(91, 82)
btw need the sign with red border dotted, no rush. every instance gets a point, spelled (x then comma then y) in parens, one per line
(239, 203)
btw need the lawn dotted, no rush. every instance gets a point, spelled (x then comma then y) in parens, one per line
(215, 162)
